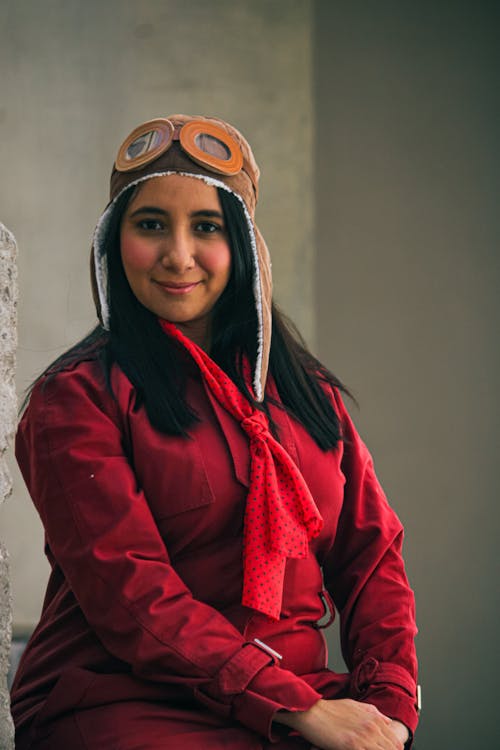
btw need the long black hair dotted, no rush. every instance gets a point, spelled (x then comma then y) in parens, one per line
(157, 365)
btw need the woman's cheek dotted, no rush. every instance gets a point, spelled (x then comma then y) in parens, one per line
(219, 259)
(135, 254)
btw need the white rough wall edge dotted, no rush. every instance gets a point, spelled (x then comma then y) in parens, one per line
(8, 410)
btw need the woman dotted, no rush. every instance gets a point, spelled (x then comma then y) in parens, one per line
(204, 494)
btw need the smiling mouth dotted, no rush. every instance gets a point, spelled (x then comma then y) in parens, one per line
(176, 288)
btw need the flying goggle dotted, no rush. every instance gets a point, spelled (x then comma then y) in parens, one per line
(206, 143)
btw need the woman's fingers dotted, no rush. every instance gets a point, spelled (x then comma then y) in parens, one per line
(376, 728)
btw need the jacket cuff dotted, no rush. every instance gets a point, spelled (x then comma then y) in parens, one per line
(251, 688)
(390, 688)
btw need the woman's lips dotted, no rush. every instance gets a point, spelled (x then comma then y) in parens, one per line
(180, 289)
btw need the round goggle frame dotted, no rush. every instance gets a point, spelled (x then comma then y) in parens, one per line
(206, 144)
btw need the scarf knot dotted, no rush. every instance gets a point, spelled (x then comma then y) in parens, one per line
(256, 426)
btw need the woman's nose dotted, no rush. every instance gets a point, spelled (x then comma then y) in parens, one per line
(178, 252)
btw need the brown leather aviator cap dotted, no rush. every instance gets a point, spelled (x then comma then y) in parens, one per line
(209, 149)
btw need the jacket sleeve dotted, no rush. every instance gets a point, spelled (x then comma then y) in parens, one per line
(364, 574)
(102, 534)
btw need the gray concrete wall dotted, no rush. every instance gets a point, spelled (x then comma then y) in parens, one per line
(76, 77)
(408, 183)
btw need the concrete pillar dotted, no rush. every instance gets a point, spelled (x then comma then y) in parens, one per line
(8, 343)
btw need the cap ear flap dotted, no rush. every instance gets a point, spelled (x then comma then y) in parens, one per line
(264, 300)
(93, 284)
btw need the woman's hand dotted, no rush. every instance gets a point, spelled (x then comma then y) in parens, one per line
(344, 725)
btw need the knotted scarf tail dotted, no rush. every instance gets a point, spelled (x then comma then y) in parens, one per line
(263, 576)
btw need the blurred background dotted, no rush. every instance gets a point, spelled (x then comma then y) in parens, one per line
(376, 129)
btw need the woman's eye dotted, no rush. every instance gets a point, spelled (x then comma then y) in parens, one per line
(207, 227)
(150, 225)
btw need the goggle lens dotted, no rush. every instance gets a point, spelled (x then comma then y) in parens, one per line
(143, 145)
(212, 146)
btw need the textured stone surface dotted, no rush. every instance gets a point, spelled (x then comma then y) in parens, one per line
(8, 342)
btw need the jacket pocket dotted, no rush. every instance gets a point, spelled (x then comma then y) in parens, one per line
(171, 472)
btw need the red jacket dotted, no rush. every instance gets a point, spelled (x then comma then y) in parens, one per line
(144, 537)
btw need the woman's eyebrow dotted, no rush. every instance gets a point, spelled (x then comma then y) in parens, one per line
(149, 210)
(208, 212)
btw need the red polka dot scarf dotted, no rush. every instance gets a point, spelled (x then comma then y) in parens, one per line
(281, 516)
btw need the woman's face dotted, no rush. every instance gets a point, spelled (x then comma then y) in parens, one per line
(175, 251)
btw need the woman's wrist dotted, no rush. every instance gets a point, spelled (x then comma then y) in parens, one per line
(291, 719)
(400, 730)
